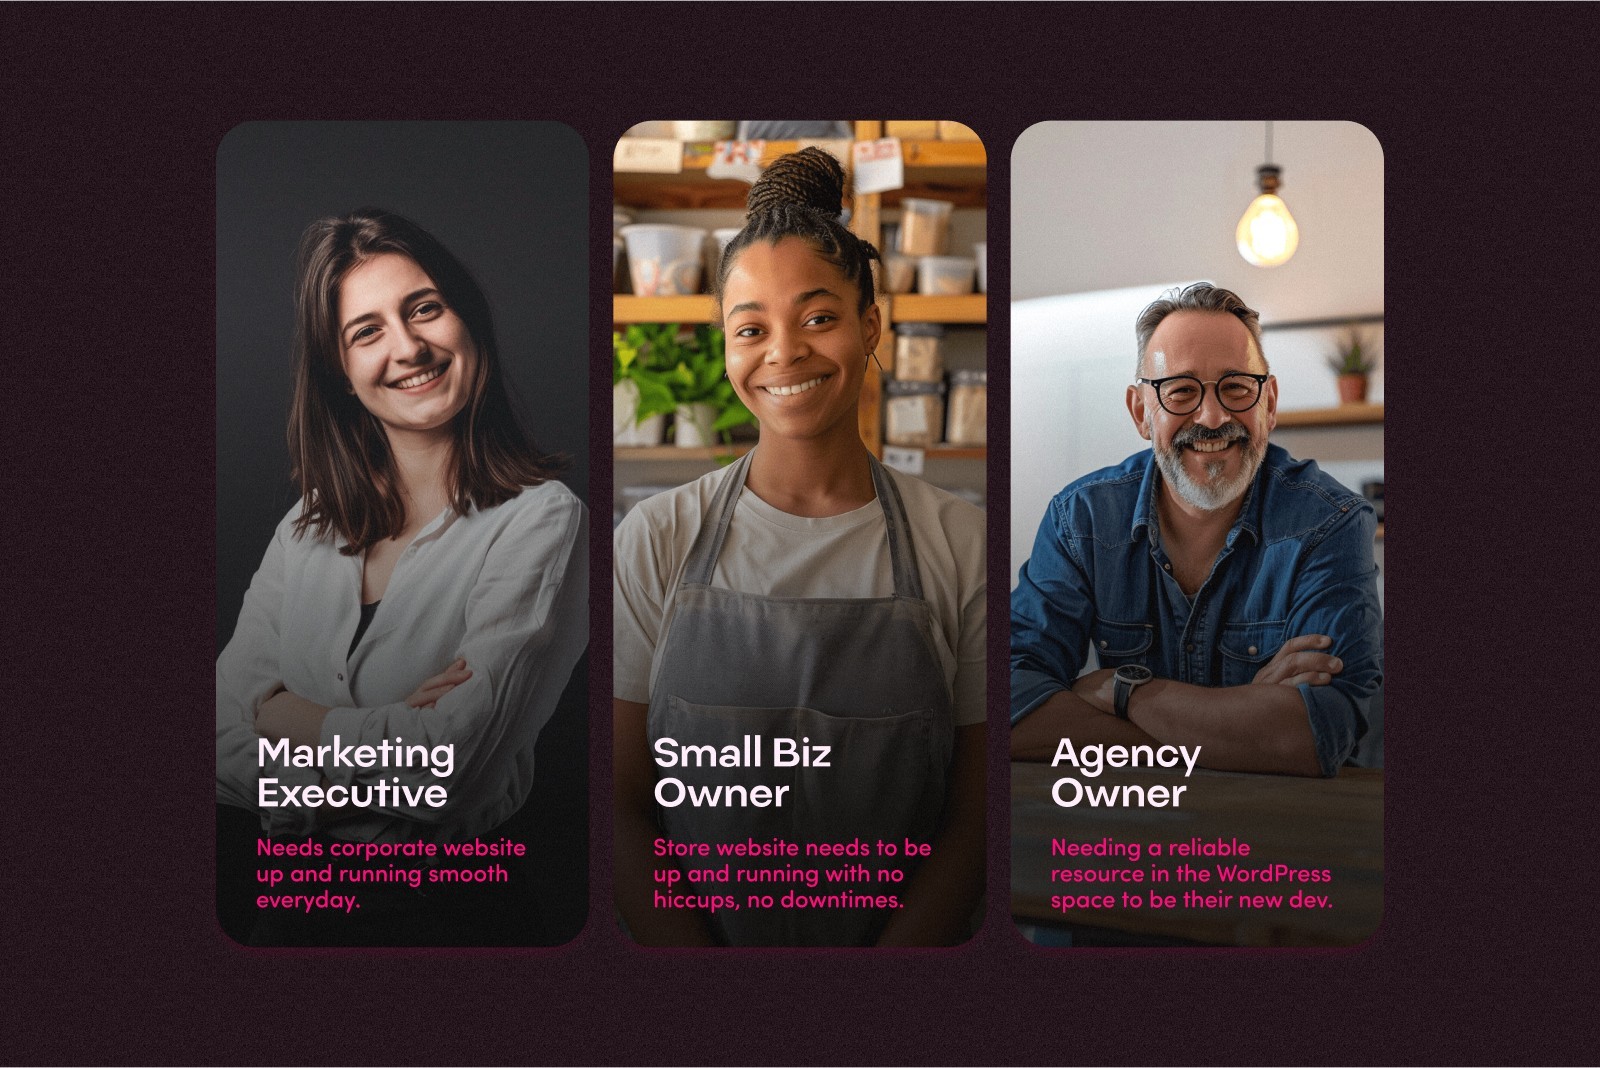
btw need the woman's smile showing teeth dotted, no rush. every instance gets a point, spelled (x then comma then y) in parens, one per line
(799, 387)
(421, 378)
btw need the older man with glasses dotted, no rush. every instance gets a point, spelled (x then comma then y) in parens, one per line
(1226, 590)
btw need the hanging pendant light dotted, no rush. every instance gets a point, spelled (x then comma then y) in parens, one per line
(1267, 235)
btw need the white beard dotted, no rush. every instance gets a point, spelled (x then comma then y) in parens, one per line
(1217, 492)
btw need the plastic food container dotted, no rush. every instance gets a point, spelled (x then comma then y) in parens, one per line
(917, 352)
(981, 250)
(945, 276)
(899, 272)
(969, 408)
(925, 226)
(914, 413)
(664, 260)
(715, 247)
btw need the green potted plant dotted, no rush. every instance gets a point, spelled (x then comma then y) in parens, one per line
(641, 399)
(1352, 361)
(706, 405)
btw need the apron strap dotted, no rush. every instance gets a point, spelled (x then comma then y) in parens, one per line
(902, 553)
(714, 529)
(713, 532)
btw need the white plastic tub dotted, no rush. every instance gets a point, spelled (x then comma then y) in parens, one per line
(664, 260)
(945, 276)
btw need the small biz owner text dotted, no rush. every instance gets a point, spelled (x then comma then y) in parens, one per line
(786, 753)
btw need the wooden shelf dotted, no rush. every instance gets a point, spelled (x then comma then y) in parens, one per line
(698, 308)
(697, 155)
(918, 308)
(625, 453)
(1343, 415)
(1380, 531)
(947, 170)
(904, 308)
(656, 453)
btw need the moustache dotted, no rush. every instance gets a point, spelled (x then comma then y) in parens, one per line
(1228, 432)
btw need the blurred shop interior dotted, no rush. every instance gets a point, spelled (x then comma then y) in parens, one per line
(918, 192)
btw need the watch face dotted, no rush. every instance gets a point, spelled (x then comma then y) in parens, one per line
(1134, 673)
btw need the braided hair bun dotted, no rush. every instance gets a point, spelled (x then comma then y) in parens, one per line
(809, 178)
(802, 195)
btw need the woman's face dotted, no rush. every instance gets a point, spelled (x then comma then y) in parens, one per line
(409, 357)
(797, 347)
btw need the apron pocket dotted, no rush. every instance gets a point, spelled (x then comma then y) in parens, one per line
(835, 777)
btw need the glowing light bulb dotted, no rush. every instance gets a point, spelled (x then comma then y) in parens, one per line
(1267, 234)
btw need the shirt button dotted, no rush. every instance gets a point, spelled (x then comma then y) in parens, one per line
(1251, 650)
(1102, 643)
(1190, 647)
(1166, 567)
(340, 676)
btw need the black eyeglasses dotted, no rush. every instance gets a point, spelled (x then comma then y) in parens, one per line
(1182, 394)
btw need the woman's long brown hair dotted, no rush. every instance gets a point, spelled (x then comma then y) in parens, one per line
(339, 450)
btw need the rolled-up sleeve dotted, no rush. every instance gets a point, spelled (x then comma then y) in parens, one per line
(1051, 609)
(526, 627)
(1337, 595)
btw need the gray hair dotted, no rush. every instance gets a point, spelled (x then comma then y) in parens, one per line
(1201, 296)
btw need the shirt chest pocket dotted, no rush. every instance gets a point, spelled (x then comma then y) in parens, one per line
(1246, 648)
(1116, 644)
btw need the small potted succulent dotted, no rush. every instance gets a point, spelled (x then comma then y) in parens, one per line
(1352, 361)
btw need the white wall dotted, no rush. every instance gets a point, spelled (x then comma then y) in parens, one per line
(1107, 205)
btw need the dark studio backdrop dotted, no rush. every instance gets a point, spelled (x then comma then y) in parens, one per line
(509, 200)
(113, 118)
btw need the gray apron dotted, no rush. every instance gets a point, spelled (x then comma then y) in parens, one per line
(861, 676)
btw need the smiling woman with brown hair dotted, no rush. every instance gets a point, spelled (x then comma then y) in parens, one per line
(430, 586)
(808, 594)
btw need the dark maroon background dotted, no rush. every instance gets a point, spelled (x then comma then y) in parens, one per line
(113, 117)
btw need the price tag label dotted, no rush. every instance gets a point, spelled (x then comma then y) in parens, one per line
(910, 461)
(737, 159)
(879, 166)
(648, 155)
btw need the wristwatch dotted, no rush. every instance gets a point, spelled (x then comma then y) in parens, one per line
(1127, 677)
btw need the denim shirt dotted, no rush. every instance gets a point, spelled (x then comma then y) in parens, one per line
(1297, 561)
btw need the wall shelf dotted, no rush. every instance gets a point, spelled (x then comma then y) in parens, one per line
(957, 452)
(698, 453)
(949, 170)
(696, 308)
(1343, 415)
(919, 308)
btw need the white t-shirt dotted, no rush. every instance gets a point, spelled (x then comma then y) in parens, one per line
(505, 587)
(774, 554)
